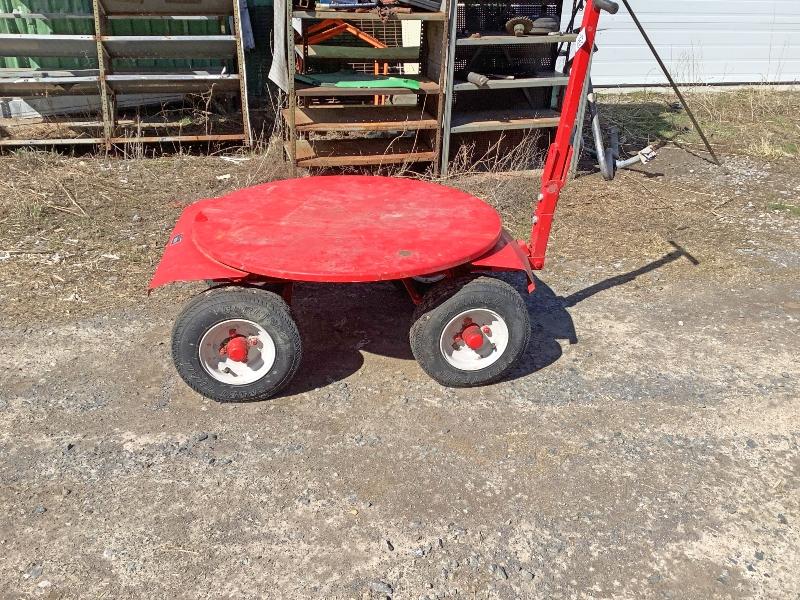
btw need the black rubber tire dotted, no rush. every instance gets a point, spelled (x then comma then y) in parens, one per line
(422, 287)
(220, 304)
(270, 287)
(452, 297)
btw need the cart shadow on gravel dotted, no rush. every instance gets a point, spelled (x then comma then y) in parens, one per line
(340, 322)
(551, 321)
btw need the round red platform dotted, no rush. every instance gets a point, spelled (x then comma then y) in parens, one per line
(346, 228)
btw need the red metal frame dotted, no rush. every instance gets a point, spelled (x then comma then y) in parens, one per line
(342, 228)
(556, 167)
(399, 229)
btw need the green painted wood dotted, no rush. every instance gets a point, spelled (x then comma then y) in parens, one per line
(410, 53)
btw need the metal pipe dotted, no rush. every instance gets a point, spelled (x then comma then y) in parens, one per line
(477, 78)
(613, 141)
(642, 157)
(605, 158)
(671, 82)
(556, 166)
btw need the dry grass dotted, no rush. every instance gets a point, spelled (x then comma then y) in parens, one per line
(771, 148)
(526, 155)
(507, 180)
(85, 232)
(759, 121)
(791, 209)
(91, 229)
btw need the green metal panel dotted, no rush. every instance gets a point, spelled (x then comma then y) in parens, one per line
(38, 26)
(165, 27)
(84, 27)
(258, 60)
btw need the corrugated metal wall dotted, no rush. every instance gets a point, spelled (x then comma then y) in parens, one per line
(702, 41)
(86, 27)
(259, 59)
(67, 27)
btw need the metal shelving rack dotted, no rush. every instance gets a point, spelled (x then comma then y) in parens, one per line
(538, 53)
(416, 126)
(106, 82)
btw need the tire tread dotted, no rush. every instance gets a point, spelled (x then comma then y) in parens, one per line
(471, 290)
(226, 296)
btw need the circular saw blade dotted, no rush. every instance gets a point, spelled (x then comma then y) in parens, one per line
(519, 26)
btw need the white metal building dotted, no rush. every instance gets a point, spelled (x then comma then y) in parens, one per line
(701, 41)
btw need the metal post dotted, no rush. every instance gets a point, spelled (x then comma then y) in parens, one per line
(448, 92)
(291, 101)
(107, 104)
(577, 142)
(671, 82)
(237, 31)
(440, 162)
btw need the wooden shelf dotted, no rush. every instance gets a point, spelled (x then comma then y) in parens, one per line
(411, 110)
(498, 120)
(360, 152)
(162, 139)
(426, 86)
(125, 140)
(44, 16)
(360, 53)
(550, 79)
(367, 16)
(47, 142)
(98, 50)
(505, 40)
(361, 118)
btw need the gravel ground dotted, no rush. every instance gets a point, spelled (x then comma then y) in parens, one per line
(647, 447)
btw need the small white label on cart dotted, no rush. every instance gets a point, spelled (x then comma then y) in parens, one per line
(581, 39)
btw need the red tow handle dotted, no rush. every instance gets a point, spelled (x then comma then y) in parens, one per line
(559, 157)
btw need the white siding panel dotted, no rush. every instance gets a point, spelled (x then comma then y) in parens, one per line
(701, 41)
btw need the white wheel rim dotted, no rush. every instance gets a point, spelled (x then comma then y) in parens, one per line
(260, 355)
(495, 340)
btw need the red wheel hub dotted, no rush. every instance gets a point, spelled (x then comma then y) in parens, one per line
(237, 348)
(472, 337)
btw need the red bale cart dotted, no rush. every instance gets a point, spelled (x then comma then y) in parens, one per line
(238, 341)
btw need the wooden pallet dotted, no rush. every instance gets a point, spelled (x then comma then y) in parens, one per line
(361, 118)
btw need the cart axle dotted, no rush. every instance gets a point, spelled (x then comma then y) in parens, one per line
(238, 347)
(473, 337)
